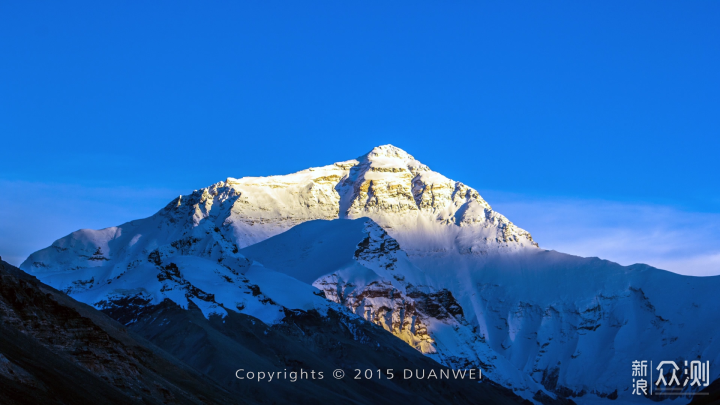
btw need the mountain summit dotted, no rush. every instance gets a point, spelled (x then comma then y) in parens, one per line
(422, 209)
(384, 239)
(387, 184)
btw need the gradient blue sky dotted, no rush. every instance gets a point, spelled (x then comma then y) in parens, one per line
(594, 125)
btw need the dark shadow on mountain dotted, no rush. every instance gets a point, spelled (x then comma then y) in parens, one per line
(55, 350)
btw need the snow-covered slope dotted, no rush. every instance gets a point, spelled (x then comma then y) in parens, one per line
(534, 320)
(358, 265)
(433, 264)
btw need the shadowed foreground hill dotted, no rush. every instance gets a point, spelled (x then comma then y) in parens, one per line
(55, 350)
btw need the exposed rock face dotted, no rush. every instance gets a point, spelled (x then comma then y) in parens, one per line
(393, 302)
(358, 265)
(422, 208)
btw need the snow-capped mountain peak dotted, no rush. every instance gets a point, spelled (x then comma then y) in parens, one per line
(387, 184)
(406, 248)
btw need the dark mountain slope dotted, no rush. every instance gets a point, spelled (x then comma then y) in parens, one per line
(712, 397)
(54, 350)
(307, 341)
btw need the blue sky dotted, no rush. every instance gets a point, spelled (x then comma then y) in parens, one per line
(607, 110)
